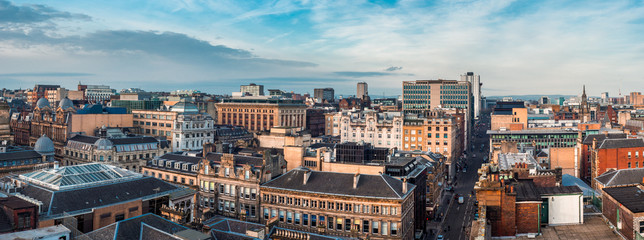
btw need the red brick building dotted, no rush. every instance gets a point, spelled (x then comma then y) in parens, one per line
(616, 154)
(17, 214)
(517, 202)
(624, 208)
(586, 147)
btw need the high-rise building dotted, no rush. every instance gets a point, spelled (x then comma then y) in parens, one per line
(324, 94)
(605, 97)
(475, 82)
(421, 96)
(363, 90)
(252, 89)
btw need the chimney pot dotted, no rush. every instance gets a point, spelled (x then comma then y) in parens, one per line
(404, 186)
(356, 178)
(307, 175)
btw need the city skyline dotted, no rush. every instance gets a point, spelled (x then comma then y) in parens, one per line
(553, 46)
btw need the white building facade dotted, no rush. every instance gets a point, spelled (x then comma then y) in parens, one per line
(99, 93)
(191, 129)
(378, 129)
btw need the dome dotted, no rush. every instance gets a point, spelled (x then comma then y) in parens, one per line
(66, 103)
(44, 145)
(42, 103)
(103, 144)
(185, 107)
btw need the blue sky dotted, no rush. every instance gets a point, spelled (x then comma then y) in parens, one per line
(518, 47)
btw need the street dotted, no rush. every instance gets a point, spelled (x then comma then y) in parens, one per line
(458, 217)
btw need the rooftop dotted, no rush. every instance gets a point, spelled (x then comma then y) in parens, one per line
(534, 131)
(621, 143)
(146, 226)
(613, 178)
(509, 161)
(78, 176)
(631, 197)
(333, 183)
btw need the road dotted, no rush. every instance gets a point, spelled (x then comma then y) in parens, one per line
(458, 217)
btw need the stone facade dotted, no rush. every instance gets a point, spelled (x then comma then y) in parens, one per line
(378, 129)
(229, 184)
(261, 114)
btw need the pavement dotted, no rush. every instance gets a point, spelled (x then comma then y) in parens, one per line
(594, 227)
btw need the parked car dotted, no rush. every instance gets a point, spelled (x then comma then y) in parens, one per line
(440, 237)
(461, 200)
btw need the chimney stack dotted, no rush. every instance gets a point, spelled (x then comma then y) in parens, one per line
(307, 175)
(594, 143)
(404, 186)
(356, 178)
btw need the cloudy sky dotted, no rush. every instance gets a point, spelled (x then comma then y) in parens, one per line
(518, 47)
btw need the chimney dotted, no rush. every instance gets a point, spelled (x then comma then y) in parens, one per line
(307, 175)
(594, 143)
(404, 186)
(356, 178)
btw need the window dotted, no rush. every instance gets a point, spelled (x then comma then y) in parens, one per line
(641, 226)
(374, 227)
(394, 228)
(384, 228)
(629, 164)
(289, 217)
(297, 218)
(314, 221)
(365, 226)
(305, 219)
(266, 213)
(629, 155)
(281, 215)
(347, 224)
(119, 217)
(339, 224)
(330, 223)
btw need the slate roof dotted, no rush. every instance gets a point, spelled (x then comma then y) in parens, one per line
(631, 197)
(621, 143)
(99, 196)
(372, 186)
(600, 137)
(560, 190)
(146, 226)
(14, 202)
(239, 159)
(18, 155)
(180, 158)
(621, 177)
(116, 141)
(527, 191)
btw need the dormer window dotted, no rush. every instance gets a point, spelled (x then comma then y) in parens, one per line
(168, 165)
(177, 166)
(161, 163)
(194, 168)
(185, 167)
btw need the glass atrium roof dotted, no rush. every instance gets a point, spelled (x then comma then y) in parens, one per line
(78, 176)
